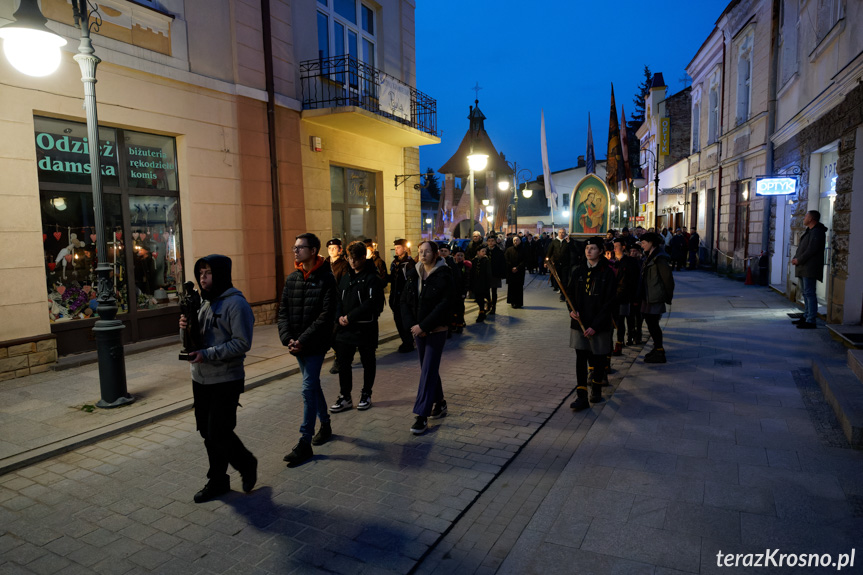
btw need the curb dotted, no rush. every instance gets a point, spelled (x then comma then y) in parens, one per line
(844, 392)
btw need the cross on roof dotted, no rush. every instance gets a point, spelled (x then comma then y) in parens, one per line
(476, 89)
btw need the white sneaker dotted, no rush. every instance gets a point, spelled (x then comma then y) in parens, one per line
(342, 404)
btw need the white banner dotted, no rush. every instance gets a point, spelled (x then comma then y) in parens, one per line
(395, 98)
(546, 173)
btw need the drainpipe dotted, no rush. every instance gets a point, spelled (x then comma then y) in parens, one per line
(719, 152)
(771, 124)
(267, 32)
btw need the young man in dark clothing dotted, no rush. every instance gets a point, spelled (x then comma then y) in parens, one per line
(338, 266)
(461, 283)
(361, 300)
(473, 246)
(593, 291)
(306, 317)
(498, 271)
(627, 292)
(398, 278)
(373, 255)
(226, 322)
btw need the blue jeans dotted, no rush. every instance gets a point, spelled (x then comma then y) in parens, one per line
(314, 404)
(810, 301)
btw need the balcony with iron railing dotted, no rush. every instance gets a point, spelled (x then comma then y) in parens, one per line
(347, 94)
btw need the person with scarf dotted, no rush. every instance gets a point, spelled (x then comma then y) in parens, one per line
(306, 317)
(218, 377)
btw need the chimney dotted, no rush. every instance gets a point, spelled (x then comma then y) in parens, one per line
(581, 162)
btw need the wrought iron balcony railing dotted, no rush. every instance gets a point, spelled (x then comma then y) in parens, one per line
(345, 81)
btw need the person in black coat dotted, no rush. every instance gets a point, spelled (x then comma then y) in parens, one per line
(480, 281)
(498, 270)
(516, 262)
(593, 291)
(306, 316)
(461, 283)
(361, 300)
(398, 278)
(426, 309)
(677, 245)
(809, 265)
(628, 271)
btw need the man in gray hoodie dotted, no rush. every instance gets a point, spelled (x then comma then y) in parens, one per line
(218, 377)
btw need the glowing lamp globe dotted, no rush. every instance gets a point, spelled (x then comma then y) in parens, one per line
(621, 197)
(503, 185)
(29, 45)
(527, 192)
(566, 213)
(477, 162)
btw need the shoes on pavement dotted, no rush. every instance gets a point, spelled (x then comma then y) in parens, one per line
(618, 348)
(438, 410)
(420, 425)
(807, 325)
(250, 476)
(324, 434)
(365, 402)
(655, 356)
(629, 342)
(334, 368)
(301, 453)
(595, 392)
(406, 348)
(580, 403)
(562, 298)
(342, 404)
(492, 310)
(799, 320)
(212, 490)
(480, 318)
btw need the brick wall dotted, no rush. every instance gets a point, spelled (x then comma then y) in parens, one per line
(19, 359)
(265, 314)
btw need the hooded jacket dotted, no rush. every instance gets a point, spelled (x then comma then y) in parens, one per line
(657, 282)
(227, 323)
(810, 253)
(308, 309)
(361, 299)
(428, 302)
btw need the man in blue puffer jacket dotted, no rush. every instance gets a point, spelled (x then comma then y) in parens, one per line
(218, 377)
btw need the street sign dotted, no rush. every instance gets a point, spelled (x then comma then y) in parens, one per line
(775, 186)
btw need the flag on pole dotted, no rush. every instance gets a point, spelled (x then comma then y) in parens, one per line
(550, 193)
(615, 171)
(591, 155)
(624, 144)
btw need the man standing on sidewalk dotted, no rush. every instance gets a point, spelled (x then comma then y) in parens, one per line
(809, 262)
(306, 318)
(398, 278)
(218, 378)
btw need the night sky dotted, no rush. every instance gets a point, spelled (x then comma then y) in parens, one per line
(556, 55)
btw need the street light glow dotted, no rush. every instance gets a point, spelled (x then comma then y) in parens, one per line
(566, 213)
(485, 202)
(489, 208)
(32, 52)
(503, 185)
(621, 197)
(477, 162)
(527, 192)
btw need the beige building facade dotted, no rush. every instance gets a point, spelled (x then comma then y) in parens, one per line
(187, 103)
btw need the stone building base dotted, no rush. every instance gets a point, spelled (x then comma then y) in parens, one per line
(20, 358)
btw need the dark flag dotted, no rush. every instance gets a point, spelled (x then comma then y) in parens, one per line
(615, 175)
(624, 144)
(591, 155)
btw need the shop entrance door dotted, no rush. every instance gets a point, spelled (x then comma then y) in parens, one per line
(829, 159)
(780, 259)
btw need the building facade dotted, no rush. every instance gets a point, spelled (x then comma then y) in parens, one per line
(221, 131)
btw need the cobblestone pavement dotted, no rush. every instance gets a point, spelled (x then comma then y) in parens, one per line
(373, 500)
(727, 447)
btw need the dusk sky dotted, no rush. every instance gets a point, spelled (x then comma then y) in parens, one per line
(557, 55)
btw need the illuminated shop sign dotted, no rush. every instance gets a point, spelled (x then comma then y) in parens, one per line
(768, 186)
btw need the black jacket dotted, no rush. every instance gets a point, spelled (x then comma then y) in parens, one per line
(480, 277)
(361, 299)
(657, 283)
(308, 310)
(498, 262)
(398, 278)
(428, 303)
(628, 272)
(810, 253)
(515, 258)
(471, 249)
(593, 291)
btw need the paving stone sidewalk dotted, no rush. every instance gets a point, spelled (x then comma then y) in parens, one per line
(373, 500)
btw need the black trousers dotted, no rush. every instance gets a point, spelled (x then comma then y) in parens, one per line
(584, 358)
(216, 417)
(346, 352)
(404, 333)
(652, 321)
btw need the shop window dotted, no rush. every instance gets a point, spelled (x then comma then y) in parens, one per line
(789, 11)
(713, 112)
(741, 221)
(354, 204)
(142, 229)
(829, 12)
(744, 79)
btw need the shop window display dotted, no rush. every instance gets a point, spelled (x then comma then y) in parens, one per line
(142, 232)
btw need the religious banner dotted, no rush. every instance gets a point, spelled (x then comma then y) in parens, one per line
(590, 214)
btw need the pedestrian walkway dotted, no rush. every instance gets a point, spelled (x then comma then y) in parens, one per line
(727, 447)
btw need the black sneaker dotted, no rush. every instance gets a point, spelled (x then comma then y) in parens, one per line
(212, 490)
(406, 348)
(365, 402)
(658, 357)
(580, 404)
(324, 434)
(301, 453)
(439, 410)
(342, 404)
(250, 476)
(480, 318)
(420, 425)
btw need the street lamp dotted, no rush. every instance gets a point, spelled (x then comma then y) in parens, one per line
(35, 50)
(524, 175)
(428, 226)
(656, 186)
(476, 163)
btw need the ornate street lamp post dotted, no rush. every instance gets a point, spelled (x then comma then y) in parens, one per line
(34, 49)
(477, 163)
(525, 176)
